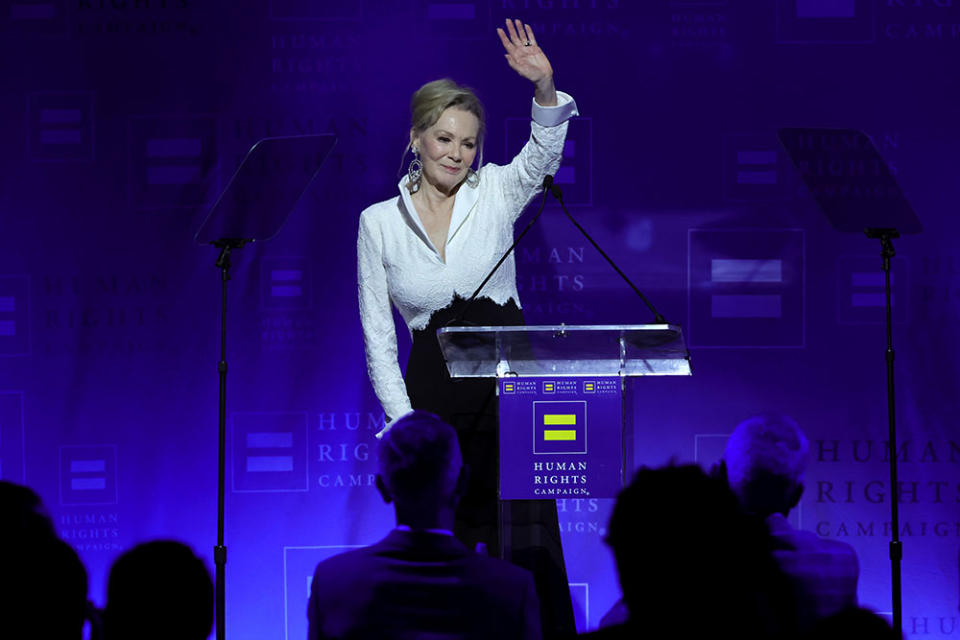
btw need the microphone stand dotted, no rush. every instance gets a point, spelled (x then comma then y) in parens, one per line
(555, 190)
(886, 237)
(549, 186)
(220, 550)
(547, 181)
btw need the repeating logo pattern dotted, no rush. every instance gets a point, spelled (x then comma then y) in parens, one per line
(172, 161)
(286, 283)
(88, 475)
(755, 169)
(60, 127)
(746, 288)
(861, 290)
(270, 452)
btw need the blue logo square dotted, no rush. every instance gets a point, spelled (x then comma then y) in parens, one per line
(285, 283)
(746, 288)
(88, 475)
(60, 127)
(173, 161)
(270, 452)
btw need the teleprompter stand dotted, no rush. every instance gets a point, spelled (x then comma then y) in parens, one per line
(855, 190)
(261, 194)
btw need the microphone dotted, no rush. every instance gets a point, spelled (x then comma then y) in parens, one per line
(548, 185)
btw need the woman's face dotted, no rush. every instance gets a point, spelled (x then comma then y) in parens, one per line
(447, 148)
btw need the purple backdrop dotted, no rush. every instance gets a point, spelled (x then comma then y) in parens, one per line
(122, 118)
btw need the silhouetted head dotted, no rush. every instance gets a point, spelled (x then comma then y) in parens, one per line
(766, 457)
(23, 513)
(158, 590)
(420, 462)
(43, 584)
(687, 555)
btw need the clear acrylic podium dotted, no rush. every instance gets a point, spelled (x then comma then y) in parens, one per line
(565, 350)
(564, 416)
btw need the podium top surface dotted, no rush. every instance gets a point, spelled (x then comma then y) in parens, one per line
(565, 350)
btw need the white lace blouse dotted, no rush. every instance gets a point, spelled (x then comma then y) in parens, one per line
(397, 263)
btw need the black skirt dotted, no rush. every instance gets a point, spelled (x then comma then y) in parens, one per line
(531, 528)
(470, 406)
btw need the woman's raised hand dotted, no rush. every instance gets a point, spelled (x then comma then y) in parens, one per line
(526, 58)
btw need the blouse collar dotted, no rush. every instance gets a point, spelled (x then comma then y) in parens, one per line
(463, 202)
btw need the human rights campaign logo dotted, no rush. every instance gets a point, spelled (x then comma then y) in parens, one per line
(559, 427)
(269, 452)
(88, 474)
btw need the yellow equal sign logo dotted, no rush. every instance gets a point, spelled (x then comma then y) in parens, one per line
(509, 387)
(589, 387)
(548, 387)
(559, 420)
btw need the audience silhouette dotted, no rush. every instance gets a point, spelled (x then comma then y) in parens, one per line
(43, 584)
(764, 462)
(420, 581)
(692, 564)
(158, 590)
(697, 555)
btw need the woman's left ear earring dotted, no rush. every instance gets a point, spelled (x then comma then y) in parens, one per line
(415, 169)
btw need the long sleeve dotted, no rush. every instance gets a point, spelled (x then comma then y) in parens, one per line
(540, 156)
(379, 333)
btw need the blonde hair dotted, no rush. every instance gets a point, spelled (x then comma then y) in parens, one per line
(432, 99)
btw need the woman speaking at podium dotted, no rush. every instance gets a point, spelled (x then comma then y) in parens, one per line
(426, 251)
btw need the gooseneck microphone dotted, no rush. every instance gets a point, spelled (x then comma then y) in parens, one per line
(547, 185)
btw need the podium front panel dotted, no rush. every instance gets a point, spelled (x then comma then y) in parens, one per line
(560, 437)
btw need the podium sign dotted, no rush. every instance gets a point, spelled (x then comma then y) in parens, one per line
(560, 387)
(560, 437)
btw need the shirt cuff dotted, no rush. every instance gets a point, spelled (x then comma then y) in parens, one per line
(389, 425)
(565, 109)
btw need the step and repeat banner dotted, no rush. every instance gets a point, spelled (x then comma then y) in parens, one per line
(123, 119)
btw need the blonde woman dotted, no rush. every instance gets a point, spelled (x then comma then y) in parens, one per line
(428, 248)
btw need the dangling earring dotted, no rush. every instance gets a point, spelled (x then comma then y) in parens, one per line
(473, 178)
(415, 170)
